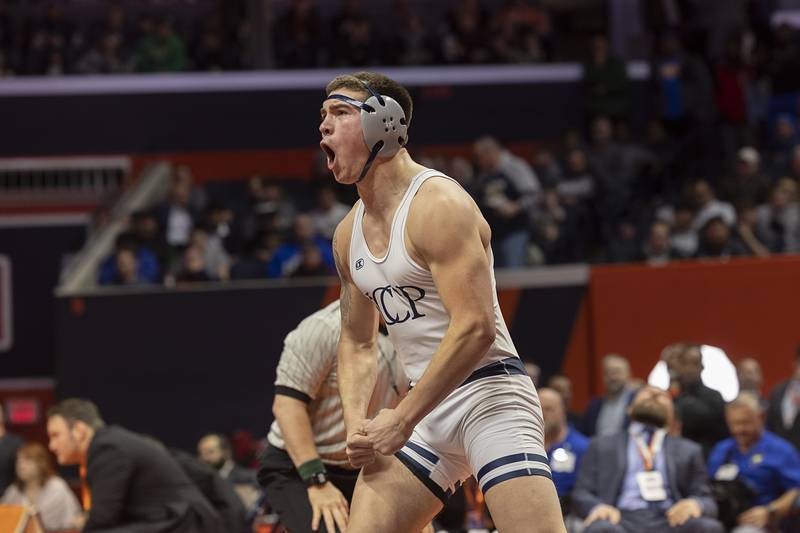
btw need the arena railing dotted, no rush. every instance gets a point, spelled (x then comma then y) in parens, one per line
(80, 273)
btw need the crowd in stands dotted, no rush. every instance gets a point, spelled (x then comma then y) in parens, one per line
(718, 465)
(713, 173)
(56, 38)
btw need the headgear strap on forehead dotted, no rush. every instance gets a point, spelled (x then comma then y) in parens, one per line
(383, 122)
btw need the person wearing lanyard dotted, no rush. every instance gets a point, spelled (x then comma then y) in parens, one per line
(764, 461)
(644, 479)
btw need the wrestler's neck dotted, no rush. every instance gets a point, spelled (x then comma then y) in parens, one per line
(386, 183)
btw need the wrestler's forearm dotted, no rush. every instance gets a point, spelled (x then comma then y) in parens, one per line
(356, 374)
(461, 349)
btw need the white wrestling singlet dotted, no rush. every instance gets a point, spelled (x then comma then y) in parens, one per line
(491, 426)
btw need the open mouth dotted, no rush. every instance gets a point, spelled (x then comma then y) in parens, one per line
(329, 153)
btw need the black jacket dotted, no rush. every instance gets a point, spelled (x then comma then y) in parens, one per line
(775, 416)
(137, 487)
(702, 411)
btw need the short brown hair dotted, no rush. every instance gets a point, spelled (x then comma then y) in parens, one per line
(382, 84)
(44, 463)
(77, 409)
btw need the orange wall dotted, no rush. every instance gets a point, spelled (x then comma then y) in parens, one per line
(747, 307)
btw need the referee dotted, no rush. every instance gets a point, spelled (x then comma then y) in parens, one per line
(305, 472)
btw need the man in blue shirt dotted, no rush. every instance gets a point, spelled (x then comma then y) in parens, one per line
(764, 461)
(565, 445)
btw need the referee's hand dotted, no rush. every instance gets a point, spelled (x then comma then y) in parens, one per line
(329, 505)
(359, 448)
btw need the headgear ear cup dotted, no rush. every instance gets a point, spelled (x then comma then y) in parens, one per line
(384, 122)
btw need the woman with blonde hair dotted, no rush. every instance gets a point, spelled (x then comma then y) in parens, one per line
(38, 486)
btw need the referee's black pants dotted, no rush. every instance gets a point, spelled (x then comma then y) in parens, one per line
(287, 495)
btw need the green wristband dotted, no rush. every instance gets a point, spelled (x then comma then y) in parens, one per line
(310, 468)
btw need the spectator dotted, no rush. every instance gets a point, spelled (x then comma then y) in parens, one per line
(777, 223)
(732, 84)
(784, 406)
(708, 206)
(104, 58)
(161, 51)
(684, 237)
(254, 265)
(329, 212)
(354, 43)
(9, 444)
(605, 415)
(745, 239)
(563, 385)
(194, 267)
(215, 451)
(311, 263)
(577, 184)
(127, 268)
(533, 371)
(751, 379)
(518, 32)
(216, 260)
(769, 465)
(298, 36)
(464, 36)
(702, 408)
(606, 86)
(5, 69)
(508, 192)
(716, 240)
(219, 493)
(410, 43)
(127, 480)
(748, 183)
(270, 209)
(785, 137)
(564, 444)
(645, 479)
(130, 264)
(38, 486)
(223, 223)
(718, 371)
(682, 87)
(657, 250)
(617, 168)
(211, 54)
(785, 56)
(176, 216)
(288, 257)
(557, 235)
(548, 169)
(149, 237)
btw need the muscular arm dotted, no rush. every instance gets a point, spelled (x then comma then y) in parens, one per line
(456, 255)
(357, 351)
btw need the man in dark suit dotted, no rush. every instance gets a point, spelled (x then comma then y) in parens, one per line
(784, 406)
(643, 479)
(605, 415)
(702, 408)
(130, 484)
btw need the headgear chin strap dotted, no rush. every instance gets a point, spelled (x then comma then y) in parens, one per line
(383, 122)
